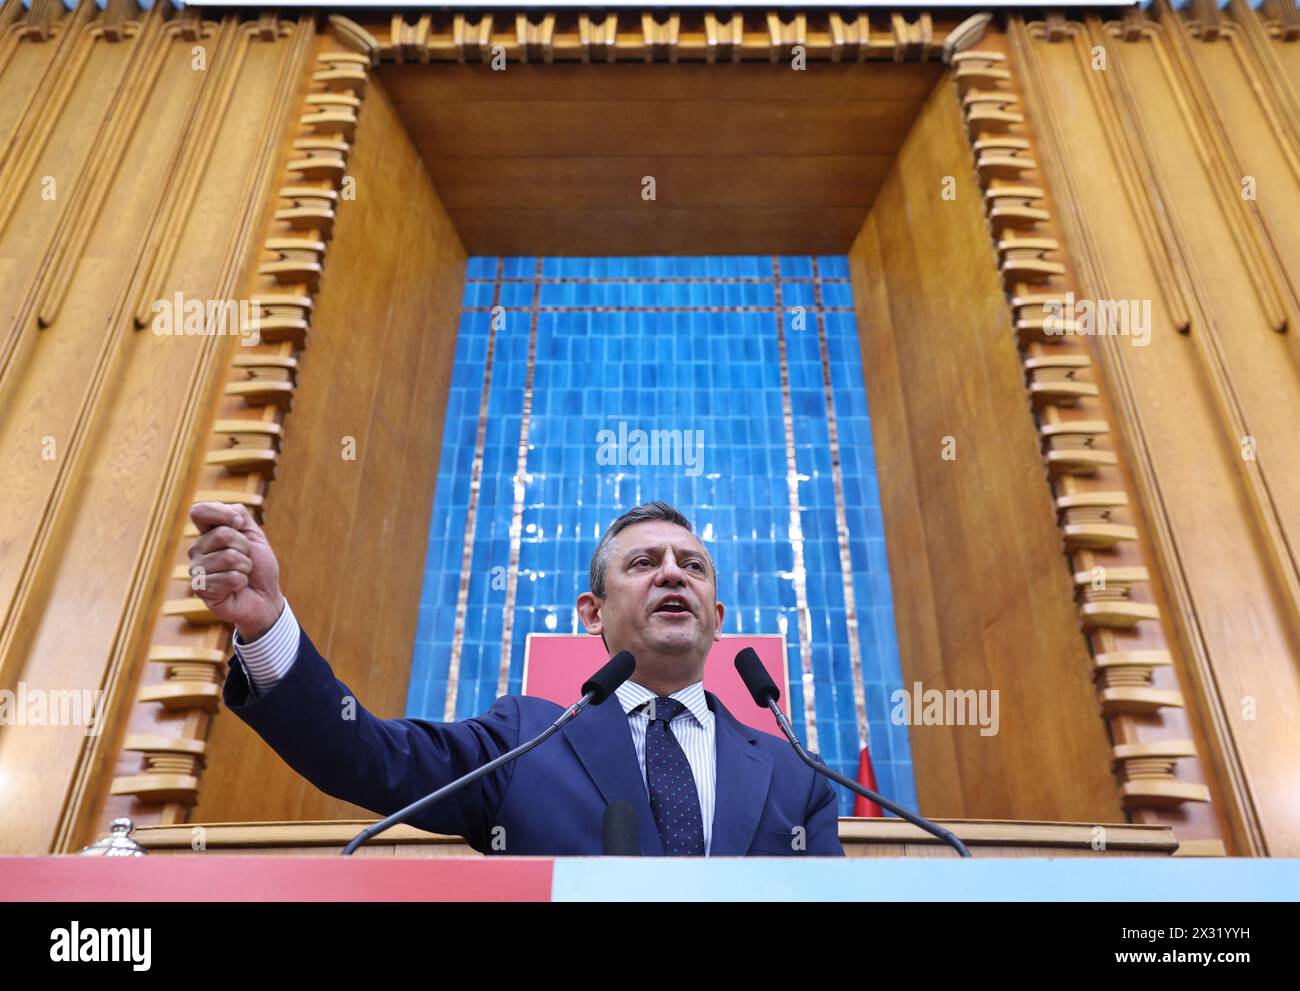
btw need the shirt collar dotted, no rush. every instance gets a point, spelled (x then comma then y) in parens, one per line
(630, 695)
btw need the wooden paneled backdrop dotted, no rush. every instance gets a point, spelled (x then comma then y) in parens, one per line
(1180, 162)
(1102, 531)
(547, 155)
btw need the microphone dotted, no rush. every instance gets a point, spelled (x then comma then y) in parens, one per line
(602, 684)
(595, 690)
(621, 837)
(766, 695)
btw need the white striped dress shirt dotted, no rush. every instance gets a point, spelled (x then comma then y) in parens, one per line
(268, 658)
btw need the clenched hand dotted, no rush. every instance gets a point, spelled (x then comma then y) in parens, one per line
(241, 575)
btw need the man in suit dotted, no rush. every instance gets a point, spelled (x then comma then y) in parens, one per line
(701, 782)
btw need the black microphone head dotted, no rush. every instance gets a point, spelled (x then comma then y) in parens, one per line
(756, 679)
(616, 671)
(621, 836)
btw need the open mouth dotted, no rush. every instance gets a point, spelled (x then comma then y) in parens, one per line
(673, 606)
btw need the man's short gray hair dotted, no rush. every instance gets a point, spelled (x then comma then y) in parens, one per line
(637, 514)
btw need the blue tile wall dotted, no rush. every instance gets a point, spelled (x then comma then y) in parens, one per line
(684, 343)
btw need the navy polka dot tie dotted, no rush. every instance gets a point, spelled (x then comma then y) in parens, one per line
(673, 798)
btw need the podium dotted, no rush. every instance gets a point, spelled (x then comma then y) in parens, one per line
(263, 875)
(888, 860)
(860, 838)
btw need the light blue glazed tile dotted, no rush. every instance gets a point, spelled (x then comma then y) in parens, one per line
(796, 267)
(837, 294)
(481, 268)
(516, 267)
(833, 266)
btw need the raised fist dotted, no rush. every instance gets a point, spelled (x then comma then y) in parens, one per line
(240, 578)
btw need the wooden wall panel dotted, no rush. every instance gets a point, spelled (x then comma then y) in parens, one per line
(660, 231)
(119, 400)
(747, 158)
(477, 183)
(52, 374)
(982, 595)
(1253, 116)
(1150, 155)
(29, 54)
(1128, 256)
(350, 534)
(167, 178)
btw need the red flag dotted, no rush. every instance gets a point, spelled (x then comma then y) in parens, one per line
(866, 778)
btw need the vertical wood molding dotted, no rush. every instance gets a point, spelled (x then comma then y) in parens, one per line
(43, 106)
(105, 159)
(1148, 202)
(188, 151)
(44, 24)
(242, 451)
(1083, 465)
(1217, 158)
(82, 35)
(192, 155)
(1205, 332)
(11, 34)
(972, 531)
(1253, 50)
(195, 153)
(107, 145)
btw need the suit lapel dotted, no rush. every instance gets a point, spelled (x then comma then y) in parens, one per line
(744, 774)
(603, 743)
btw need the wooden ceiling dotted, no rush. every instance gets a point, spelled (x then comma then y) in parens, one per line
(748, 157)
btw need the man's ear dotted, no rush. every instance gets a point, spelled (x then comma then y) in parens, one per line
(589, 613)
(717, 632)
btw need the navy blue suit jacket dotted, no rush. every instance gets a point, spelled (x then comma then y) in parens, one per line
(549, 802)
